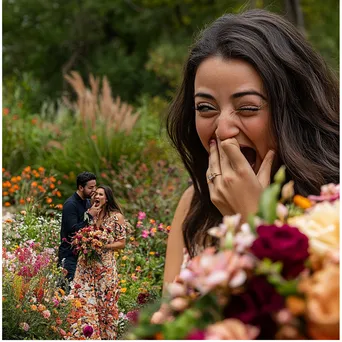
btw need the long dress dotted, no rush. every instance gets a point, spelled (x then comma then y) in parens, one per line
(95, 290)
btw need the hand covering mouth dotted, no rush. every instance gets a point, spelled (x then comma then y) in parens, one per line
(250, 155)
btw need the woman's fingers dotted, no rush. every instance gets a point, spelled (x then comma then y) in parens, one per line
(231, 149)
(264, 174)
(214, 160)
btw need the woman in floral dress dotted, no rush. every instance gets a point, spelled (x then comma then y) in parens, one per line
(95, 289)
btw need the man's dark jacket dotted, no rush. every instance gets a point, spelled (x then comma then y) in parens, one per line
(73, 219)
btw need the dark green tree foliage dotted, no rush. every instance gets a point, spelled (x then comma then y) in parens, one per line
(139, 44)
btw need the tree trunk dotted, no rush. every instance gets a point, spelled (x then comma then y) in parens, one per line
(295, 14)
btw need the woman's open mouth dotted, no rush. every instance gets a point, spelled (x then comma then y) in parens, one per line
(250, 154)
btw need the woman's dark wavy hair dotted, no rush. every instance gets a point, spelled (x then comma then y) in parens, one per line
(111, 205)
(303, 95)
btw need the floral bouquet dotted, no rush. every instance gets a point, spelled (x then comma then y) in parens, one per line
(275, 277)
(89, 242)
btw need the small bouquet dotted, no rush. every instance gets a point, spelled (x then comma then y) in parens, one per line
(276, 277)
(89, 242)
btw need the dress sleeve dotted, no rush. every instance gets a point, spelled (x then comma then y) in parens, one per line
(119, 229)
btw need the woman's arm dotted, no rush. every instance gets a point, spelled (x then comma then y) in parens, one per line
(175, 243)
(121, 243)
(116, 245)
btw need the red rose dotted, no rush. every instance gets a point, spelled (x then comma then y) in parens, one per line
(286, 244)
(256, 306)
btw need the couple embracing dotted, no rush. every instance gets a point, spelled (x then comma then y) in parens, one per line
(95, 285)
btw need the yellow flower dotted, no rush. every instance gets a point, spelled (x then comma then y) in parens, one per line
(123, 290)
(123, 281)
(34, 307)
(152, 253)
(62, 292)
(77, 304)
(321, 226)
(124, 257)
(131, 238)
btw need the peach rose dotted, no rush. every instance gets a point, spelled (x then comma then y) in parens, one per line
(231, 329)
(321, 225)
(322, 293)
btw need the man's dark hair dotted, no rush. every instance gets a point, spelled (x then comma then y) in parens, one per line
(83, 178)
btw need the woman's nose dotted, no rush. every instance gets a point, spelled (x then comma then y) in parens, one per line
(227, 125)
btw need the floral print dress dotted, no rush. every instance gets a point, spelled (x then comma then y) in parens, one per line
(95, 291)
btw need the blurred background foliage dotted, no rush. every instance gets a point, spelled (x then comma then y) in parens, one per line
(139, 45)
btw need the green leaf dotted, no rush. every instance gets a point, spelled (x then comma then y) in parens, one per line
(268, 203)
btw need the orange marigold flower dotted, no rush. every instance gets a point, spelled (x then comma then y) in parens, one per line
(6, 184)
(16, 187)
(168, 228)
(152, 221)
(34, 307)
(41, 169)
(18, 178)
(22, 201)
(34, 121)
(52, 179)
(59, 194)
(123, 290)
(34, 184)
(52, 186)
(14, 179)
(7, 204)
(59, 206)
(41, 188)
(27, 169)
(302, 202)
(48, 200)
(5, 111)
(11, 190)
(5, 193)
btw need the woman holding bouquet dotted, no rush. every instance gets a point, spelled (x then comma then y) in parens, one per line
(255, 96)
(95, 288)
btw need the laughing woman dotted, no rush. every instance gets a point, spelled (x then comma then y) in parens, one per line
(255, 96)
(95, 286)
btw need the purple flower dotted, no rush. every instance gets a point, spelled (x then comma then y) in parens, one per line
(88, 331)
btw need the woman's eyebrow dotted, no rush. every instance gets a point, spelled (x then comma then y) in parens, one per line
(205, 95)
(248, 92)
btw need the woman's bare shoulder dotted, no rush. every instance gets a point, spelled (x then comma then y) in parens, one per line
(117, 216)
(185, 200)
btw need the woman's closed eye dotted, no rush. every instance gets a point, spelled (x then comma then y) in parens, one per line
(248, 110)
